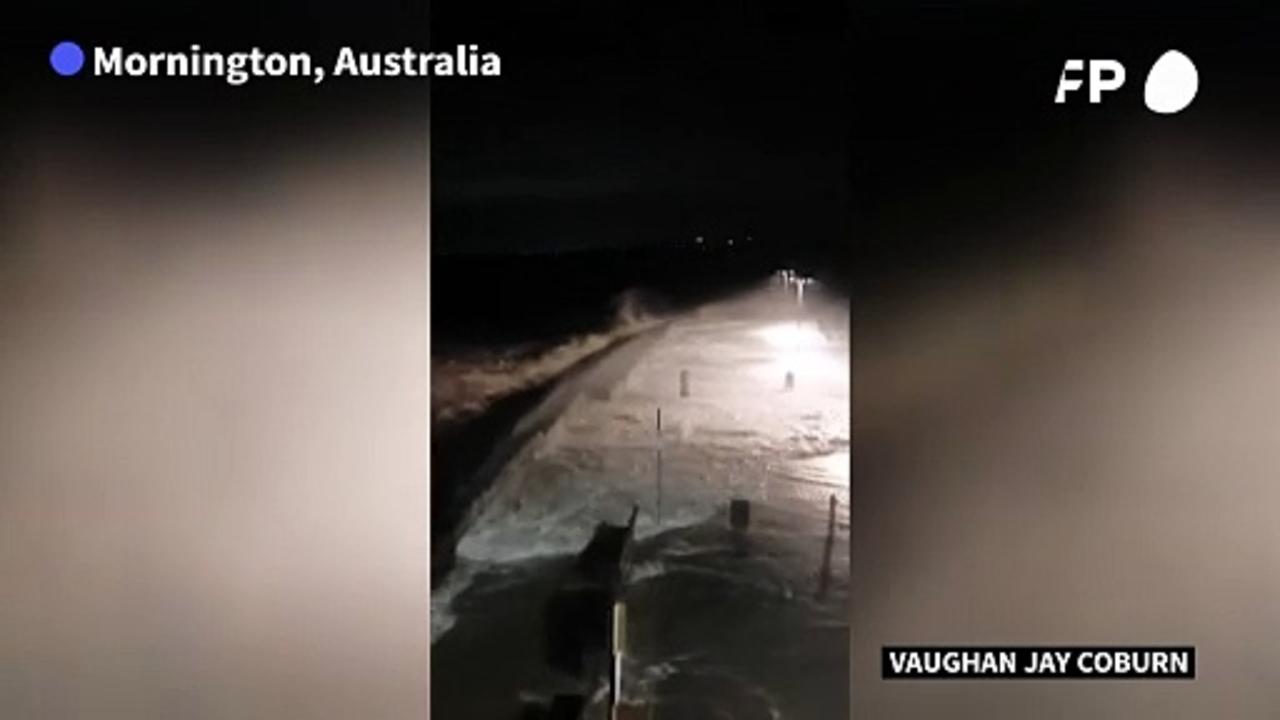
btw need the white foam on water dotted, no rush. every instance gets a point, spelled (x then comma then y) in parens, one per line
(647, 570)
(442, 598)
(740, 432)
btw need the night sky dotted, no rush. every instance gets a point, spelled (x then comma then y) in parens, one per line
(641, 125)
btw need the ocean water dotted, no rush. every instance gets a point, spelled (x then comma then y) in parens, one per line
(721, 622)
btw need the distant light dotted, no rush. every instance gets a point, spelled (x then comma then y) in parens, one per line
(730, 242)
(698, 239)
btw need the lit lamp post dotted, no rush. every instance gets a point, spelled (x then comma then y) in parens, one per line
(800, 282)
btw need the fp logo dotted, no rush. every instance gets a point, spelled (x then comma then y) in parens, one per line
(1171, 83)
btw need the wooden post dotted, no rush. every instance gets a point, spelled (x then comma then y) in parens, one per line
(658, 479)
(618, 648)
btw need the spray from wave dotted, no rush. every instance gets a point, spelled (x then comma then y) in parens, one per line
(465, 384)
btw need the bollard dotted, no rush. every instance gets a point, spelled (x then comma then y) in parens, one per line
(684, 383)
(789, 382)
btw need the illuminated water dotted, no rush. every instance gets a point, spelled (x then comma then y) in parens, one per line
(752, 625)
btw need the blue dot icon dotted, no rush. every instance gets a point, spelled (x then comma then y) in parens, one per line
(67, 58)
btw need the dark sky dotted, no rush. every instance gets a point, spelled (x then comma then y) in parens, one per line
(887, 127)
(640, 124)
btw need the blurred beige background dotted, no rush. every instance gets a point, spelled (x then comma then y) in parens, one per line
(1083, 447)
(213, 423)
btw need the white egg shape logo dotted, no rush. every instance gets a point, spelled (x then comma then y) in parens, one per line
(1171, 84)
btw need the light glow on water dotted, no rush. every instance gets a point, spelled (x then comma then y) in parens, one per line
(792, 336)
(801, 349)
(731, 428)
